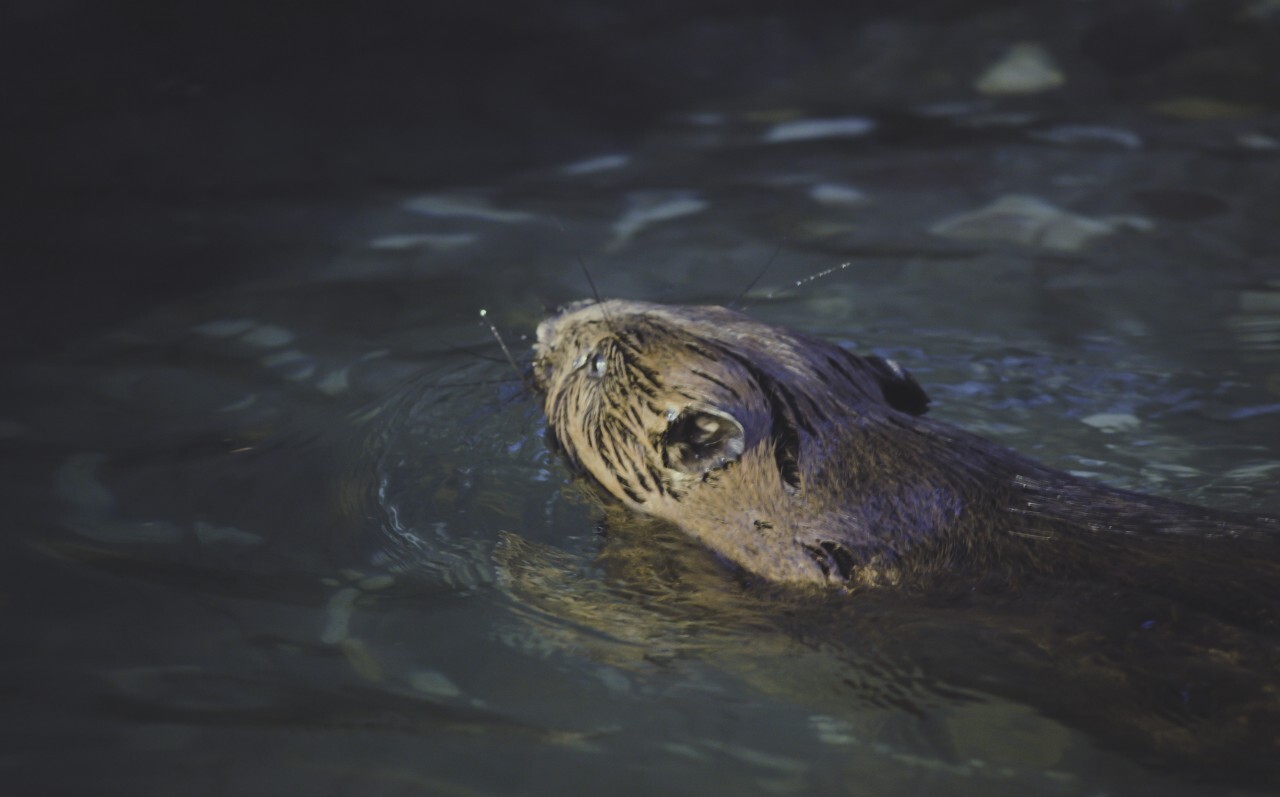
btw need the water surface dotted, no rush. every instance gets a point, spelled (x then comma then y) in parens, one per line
(303, 532)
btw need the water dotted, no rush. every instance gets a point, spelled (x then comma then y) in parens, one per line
(292, 525)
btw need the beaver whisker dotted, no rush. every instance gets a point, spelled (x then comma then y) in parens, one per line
(811, 278)
(582, 264)
(754, 280)
(484, 316)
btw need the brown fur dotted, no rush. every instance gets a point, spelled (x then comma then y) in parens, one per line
(799, 461)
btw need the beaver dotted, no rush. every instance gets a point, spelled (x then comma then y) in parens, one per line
(799, 461)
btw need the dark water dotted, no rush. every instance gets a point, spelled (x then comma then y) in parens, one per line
(281, 518)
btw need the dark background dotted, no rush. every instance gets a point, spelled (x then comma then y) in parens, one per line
(121, 117)
(133, 131)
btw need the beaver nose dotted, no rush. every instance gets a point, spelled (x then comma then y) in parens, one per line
(545, 330)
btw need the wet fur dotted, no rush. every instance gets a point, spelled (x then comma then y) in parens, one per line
(801, 462)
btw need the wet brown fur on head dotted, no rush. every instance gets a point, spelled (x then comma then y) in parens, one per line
(800, 461)
(750, 437)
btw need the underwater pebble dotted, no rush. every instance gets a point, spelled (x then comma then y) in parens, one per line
(434, 683)
(1200, 109)
(436, 242)
(938, 765)
(358, 655)
(652, 207)
(832, 731)
(1026, 68)
(375, 583)
(337, 625)
(602, 163)
(334, 382)
(1031, 220)
(1086, 474)
(461, 206)
(292, 364)
(1250, 412)
(1257, 141)
(1177, 470)
(836, 194)
(224, 328)
(683, 750)
(1255, 331)
(1251, 472)
(1089, 134)
(1251, 323)
(1112, 421)
(267, 336)
(809, 129)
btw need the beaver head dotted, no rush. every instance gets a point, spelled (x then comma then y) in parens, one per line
(786, 454)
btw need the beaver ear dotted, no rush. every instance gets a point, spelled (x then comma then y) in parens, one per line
(699, 440)
(898, 387)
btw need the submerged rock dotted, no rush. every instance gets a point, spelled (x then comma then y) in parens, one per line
(1016, 218)
(436, 242)
(647, 208)
(1026, 68)
(836, 194)
(602, 163)
(808, 129)
(1072, 135)
(464, 206)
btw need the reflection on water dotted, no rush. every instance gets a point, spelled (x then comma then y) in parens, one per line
(378, 545)
(306, 535)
